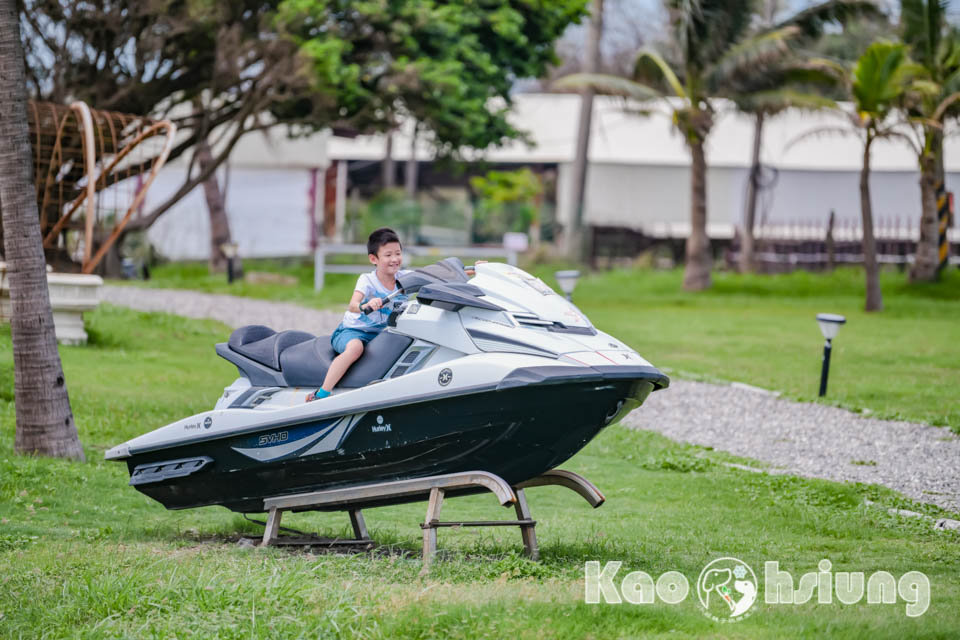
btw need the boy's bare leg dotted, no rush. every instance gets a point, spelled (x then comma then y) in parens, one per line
(341, 363)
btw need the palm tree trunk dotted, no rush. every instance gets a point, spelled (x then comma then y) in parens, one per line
(44, 420)
(924, 267)
(219, 223)
(747, 250)
(574, 236)
(870, 266)
(389, 170)
(410, 175)
(696, 275)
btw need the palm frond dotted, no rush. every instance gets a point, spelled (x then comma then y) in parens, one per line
(646, 71)
(951, 84)
(748, 54)
(923, 122)
(917, 128)
(813, 20)
(608, 85)
(821, 132)
(829, 68)
(640, 113)
(891, 133)
(948, 57)
(924, 87)
(808, 75)
(945, 104)
(647, 59)
(950, 67)
(685, 18)
(777, 100)
(880, 78)
(922, 23)
(704, 29)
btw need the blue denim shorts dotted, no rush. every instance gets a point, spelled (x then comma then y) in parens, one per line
(343, 335)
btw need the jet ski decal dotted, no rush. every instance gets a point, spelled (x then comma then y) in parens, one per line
(336, 435)
(303, 440)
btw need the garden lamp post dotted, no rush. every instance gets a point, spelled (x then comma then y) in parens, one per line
(567, 281)
(829, 326)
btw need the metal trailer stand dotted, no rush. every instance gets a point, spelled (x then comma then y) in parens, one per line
(433, 489)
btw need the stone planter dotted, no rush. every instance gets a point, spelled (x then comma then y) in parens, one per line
(70, 295)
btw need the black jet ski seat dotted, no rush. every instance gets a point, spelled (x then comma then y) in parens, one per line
(263, 344)
(300, 359)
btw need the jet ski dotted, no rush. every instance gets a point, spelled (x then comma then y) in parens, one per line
(484, 369)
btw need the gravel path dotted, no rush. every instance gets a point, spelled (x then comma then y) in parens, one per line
(806, 439)
(230, 310)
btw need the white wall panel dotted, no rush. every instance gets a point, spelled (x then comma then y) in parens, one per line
(267, 208)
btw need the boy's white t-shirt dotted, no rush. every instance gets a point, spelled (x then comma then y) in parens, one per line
(371, 287)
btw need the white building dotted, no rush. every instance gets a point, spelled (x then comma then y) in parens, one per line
(273, 186)
(638, 176)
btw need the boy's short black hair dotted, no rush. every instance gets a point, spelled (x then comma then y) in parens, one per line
(381, 237)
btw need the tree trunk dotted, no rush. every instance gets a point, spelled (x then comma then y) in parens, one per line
(831, 246)
(870, 266)
(389, 167)
(574, 236)
(410, 175)
(44, 420)
(219, 223)
(747, 263)
(925, 263)
(696, 275)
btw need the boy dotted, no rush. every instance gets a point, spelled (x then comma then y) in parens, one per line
(357, 329)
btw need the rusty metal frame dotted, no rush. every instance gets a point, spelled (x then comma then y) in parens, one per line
(171, 131)
(89, 159)
(91, 125)
(434, 489)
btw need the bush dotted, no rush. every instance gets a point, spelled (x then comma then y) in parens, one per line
(507, 201)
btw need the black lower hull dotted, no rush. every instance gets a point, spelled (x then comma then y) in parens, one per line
(514, 433)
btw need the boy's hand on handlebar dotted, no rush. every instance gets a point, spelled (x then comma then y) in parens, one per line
(371, 305)
(472, 269)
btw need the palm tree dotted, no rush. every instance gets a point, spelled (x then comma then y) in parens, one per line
(715, 47)
(575, 238)
(937, 50)
(44, 420)
(880, 81)
(762, 103)
(763, 95)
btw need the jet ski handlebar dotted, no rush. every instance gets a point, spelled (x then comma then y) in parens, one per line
(383, 302)
(448, 270)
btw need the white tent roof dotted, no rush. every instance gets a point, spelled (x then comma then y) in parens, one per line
(620, 137)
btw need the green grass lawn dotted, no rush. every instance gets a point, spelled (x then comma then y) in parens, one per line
(902, 363)
(86, 556)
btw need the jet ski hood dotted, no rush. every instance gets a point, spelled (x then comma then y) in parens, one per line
(529, 299)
